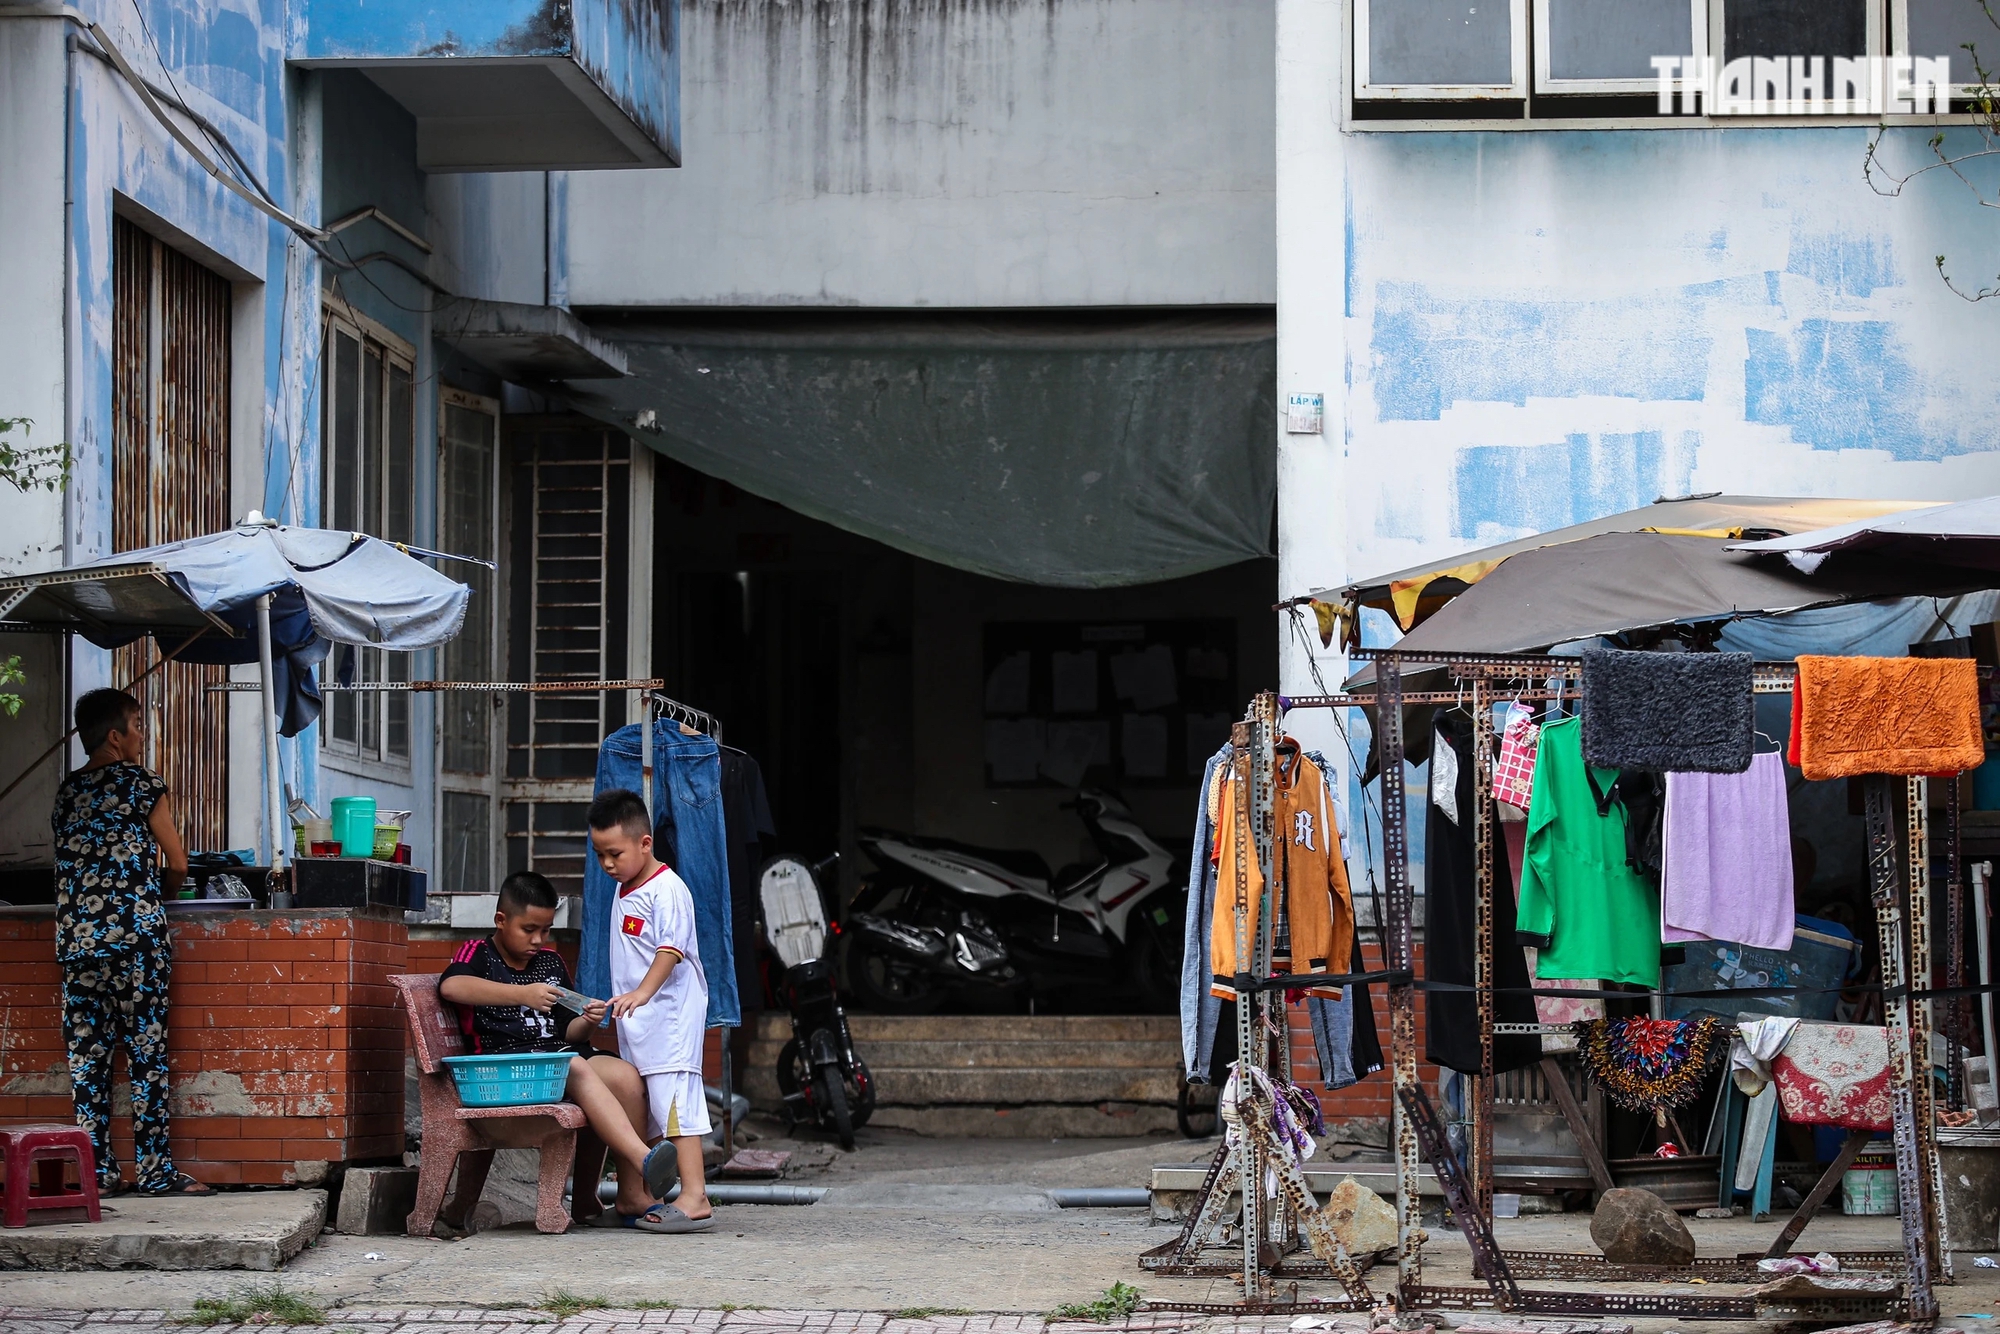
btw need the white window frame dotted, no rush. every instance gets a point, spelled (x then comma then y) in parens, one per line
(358, 756)
(1877, 23)
(1899, 44)
(1364, 91)
(1546, 82)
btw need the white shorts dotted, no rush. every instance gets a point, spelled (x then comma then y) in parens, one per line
(676, 1104)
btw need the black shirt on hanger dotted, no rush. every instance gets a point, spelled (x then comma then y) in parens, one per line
(746, 819)
(1451, 1027)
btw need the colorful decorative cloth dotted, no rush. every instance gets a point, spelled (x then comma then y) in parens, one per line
(1514, 773)
(1835, 1075)
(1650, 1065)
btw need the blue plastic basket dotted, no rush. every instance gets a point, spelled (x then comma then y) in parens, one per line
(515, 1080)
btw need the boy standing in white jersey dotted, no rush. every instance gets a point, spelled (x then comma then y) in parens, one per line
(660, 997)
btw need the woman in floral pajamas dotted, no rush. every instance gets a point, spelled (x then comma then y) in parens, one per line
(112, 821)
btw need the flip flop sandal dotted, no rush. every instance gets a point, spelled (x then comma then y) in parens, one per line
(669, 1219)
(183, 1184)
(661, 1169)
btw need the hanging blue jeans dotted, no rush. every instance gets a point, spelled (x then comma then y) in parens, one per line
(687, 794)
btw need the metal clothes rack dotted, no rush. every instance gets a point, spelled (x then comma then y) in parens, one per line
(1899, 888)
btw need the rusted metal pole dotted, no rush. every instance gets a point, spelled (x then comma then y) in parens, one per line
(1402, 992)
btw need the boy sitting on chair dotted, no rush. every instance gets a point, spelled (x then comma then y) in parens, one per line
(508, 990)
(662, 998)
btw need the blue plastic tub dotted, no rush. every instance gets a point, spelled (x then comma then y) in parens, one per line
(517, 1080)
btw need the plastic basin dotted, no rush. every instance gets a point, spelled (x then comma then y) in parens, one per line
(515, 1080)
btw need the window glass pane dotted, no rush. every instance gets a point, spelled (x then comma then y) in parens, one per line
(370, 710)
(465, 527)
(465, 845)
(399, 523)
(371, 443)
(1616, 39)
(1794, 28)
(1439, 42)
(396, 708)
(1945, 27)
(340, 720)
(340, 499)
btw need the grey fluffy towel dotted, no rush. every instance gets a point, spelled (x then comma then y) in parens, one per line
(1680, 712)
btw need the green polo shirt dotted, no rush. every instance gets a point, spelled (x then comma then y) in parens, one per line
(1599, 918)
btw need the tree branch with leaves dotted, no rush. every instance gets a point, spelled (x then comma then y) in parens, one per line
(1985, 108)
(26, 467)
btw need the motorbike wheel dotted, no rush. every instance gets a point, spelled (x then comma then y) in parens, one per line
(1153, 961)
(860, 1093)
(1194, 1110)
(882, 983)
(834, 1088)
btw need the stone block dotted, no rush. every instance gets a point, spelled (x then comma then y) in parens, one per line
(375, 1201)
(1637, 1227)
(1363, 1221)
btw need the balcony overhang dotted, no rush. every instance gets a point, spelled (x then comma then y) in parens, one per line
(515, 85)
(526, 344)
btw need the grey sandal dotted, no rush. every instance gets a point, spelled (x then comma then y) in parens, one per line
(661, 1169)
(659, 1218)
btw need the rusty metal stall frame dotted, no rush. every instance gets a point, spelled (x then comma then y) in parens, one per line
(1902, 910)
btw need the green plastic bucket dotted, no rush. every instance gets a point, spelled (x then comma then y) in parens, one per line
(354, 826)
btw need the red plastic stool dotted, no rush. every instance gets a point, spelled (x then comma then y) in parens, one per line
(46, 1149)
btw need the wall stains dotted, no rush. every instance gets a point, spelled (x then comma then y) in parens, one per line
(1843, 384)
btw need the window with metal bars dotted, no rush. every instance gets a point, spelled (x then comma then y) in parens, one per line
(368, 452)
(170, 333)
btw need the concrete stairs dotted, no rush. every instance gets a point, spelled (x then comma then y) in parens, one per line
(1011, 1076)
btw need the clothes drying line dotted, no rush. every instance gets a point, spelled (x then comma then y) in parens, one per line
(487, 687)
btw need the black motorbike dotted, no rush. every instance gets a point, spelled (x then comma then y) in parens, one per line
(822, 1080)
(939, 920)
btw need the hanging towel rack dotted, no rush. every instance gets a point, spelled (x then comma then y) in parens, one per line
(662, 705)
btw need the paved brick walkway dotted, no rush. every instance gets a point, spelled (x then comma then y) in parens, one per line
(369, 1320)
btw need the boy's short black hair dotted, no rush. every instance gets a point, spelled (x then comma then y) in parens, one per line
(99, 713)
(526, 889)
(620, 808)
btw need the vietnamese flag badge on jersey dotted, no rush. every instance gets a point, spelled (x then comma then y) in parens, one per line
(634, 925)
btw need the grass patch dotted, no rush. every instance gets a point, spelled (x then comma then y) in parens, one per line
(1119, 1300)
(257, 1303)
(562, 1303)
(732, 1306)
(649, 1304)
(926, 1312)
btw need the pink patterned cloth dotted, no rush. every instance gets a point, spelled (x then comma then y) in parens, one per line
(1835, 1075)
(1514, 772)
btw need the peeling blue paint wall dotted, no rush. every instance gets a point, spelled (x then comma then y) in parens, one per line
(1548, 326)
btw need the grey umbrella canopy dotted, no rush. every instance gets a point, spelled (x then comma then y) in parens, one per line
(1965, 534)
(1620, 583)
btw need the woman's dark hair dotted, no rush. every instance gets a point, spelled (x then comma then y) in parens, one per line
(99, 713)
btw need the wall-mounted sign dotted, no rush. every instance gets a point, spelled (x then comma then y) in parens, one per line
(1304, 413)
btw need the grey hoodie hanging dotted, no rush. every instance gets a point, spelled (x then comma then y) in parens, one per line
(1680, 712)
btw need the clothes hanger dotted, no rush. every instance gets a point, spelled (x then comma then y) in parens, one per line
(1777, 747)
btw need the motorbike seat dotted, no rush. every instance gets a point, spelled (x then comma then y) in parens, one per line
(1020, 861)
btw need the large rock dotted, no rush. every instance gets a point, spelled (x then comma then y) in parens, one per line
(1363, 1221)
(1637, 1227)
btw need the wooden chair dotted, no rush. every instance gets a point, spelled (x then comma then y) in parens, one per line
(455, 1134)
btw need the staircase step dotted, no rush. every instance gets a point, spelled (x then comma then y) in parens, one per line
(978, 1055)
(776, 1025)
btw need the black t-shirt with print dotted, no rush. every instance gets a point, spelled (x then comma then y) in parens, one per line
(499, 1029)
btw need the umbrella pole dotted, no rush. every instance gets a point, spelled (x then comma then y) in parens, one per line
(274, 815)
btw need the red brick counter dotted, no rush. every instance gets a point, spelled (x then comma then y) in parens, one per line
(285, 1040)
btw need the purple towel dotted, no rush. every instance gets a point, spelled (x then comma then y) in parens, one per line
(1727, 869)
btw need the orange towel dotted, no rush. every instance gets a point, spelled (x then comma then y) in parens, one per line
(1854, 716)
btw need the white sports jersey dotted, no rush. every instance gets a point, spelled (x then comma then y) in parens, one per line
(664, 1034)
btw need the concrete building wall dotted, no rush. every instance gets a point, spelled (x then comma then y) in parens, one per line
(959, 153)
(32, 88)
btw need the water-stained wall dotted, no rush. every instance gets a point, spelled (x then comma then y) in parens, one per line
(963, 153)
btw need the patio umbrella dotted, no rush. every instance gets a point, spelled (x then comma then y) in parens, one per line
(1966, 534)
(259, 592)
(1417, 591)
